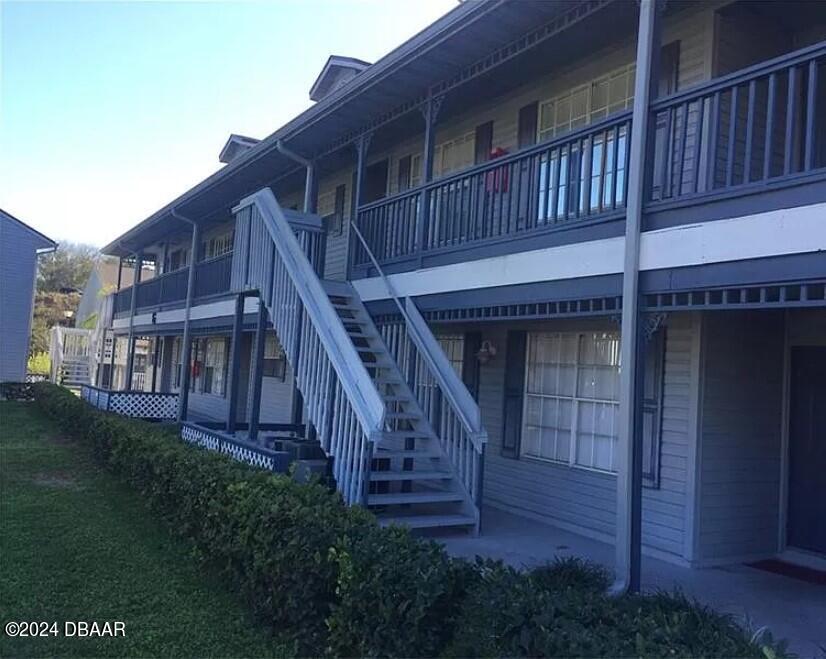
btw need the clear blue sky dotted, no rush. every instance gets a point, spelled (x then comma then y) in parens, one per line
(109, 110)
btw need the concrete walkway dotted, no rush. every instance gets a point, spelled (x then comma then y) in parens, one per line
(792, 609)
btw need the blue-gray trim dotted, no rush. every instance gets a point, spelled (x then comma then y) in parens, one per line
(771, 270)
(757, 197)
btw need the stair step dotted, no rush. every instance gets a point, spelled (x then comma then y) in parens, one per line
(404, 434)
(412, 475)
(402, 453)
(413, 497)
(397, 398)
(427, 521)
(369, 350)
(401, 415)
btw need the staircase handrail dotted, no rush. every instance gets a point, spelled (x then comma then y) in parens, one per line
(354, 378)
(453, 388)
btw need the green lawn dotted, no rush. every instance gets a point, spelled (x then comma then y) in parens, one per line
(77, 545)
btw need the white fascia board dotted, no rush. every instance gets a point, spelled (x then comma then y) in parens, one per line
(220, 309)
(781, 232)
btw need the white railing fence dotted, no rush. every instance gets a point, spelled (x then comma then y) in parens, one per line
(341, 400)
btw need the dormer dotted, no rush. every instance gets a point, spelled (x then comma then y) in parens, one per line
(336, 72)
(235, 146)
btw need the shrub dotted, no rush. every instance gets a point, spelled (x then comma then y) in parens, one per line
(328, 578)
(16, 391)
(39, 363)
(396, 595)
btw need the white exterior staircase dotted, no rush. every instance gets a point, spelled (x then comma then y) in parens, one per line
(413, 461)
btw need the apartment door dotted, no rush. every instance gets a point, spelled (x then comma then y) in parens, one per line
(806, 523)
(375, 182)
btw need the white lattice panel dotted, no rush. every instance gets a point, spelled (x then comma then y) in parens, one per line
(144, 406)
(248, 455)
(215, 441)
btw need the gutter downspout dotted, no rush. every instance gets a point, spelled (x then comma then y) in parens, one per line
(309, 207)
(186, 358)
(629, 469)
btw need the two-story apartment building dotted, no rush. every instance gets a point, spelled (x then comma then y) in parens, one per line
(563, 258)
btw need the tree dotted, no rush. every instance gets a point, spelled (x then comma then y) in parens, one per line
(60, 277)
(67, 268)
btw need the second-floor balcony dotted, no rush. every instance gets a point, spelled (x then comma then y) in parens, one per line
(212, 277)
(756, 131)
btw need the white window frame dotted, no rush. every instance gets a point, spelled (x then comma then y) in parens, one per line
(440, 168)
(576, 401)
(591, 113)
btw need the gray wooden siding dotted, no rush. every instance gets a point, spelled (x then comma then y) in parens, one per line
(18, 267)
(740, 435)
(582, 500)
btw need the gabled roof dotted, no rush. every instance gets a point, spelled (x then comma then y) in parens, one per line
(330, 74)
(235, 146)
(44, 242)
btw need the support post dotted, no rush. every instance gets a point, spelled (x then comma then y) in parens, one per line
(155, 353)
(430, 111)
(362, 145)
(629, 467)
(311, 188)
(130, 355)
(258, 368)
(120, 271)
(112, 362)
(235, 362)
(186, 366)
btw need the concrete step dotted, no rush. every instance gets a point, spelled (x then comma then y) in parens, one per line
(426, 521)
(413, 475)
(395, 498)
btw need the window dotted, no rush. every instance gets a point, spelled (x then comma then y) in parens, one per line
(177, 359)
(454, 154)
(331, 208)
(275, 361)
(213, 379)
(218, 245)
(454, 348)
(590, 102)
(572, 398)
(178, 258)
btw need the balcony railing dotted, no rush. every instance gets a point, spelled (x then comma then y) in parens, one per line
(762, 125)
(757, 126)
(578, 176)
(212, 277)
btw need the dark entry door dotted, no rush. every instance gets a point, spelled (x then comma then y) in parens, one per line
(807, 450)
(375, 182)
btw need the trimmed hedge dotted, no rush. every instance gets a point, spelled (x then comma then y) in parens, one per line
(328, 578)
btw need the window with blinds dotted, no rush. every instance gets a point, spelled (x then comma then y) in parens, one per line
(591, 102)
(572, 398)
